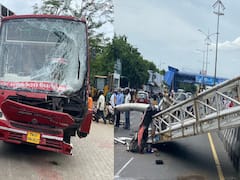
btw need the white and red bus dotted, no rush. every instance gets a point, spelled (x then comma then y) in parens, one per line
(44, 77)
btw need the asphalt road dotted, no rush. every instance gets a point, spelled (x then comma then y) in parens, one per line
(184, 159)
(92, 159)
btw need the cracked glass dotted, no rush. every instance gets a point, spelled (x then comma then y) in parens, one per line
(43, 54)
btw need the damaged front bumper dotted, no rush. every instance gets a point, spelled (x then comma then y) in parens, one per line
(41, 139)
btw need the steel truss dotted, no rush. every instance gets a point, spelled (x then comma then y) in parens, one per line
(214, 109)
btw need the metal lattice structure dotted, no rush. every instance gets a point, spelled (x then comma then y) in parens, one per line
(214, 109)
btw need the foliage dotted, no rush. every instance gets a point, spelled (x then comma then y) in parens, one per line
(188, 87)
(56, 7)
(97, 13)
(162, 72)
(135, 67)
(103, 63)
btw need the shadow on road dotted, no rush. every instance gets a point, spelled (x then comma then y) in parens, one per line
(29, 153)
(187, 155)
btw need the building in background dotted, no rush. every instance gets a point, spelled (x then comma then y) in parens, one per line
(5, 11)
(154, 84)
(116, 75)
(174, 79)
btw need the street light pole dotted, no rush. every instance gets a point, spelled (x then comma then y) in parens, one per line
(207, 41)
(219, 5)
(207, 56)
(207, 62)
(202, 71)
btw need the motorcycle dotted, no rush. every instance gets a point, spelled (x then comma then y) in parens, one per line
(110, 114)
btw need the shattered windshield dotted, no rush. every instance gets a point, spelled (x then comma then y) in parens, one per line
(46, 54)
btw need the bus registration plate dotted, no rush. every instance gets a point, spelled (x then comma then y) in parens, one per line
(33, 137)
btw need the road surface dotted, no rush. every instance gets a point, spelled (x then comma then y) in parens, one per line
(183, 159)
(92, 159)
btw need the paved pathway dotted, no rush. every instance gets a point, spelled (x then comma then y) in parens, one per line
(92, 159)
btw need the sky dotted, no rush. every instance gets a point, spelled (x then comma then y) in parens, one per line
(20, 6)
(166, 33)
(26, 7)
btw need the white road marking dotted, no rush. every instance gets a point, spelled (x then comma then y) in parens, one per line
(125, 165)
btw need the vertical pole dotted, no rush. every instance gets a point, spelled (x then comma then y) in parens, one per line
(203, 69)
(207, 59)
(219, 5)
(215, 70)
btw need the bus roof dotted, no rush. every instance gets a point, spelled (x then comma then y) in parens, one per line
(44, 16)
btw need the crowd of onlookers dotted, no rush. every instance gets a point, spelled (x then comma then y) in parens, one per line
(104, 106)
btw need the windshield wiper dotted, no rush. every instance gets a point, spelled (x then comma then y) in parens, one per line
(36, 90)
(79, 65)
(22, 89)
(5, 87)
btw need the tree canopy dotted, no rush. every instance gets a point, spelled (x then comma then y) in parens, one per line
(134, 67)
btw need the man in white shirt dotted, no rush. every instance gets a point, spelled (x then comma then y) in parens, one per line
(100, 107)
(127, 113)
(113, 99)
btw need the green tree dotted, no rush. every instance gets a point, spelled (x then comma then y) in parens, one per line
(56, 7)
(103, 62)
(135, 67)
(188, 87)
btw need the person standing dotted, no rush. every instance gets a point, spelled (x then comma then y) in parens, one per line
(90, 102)
(108, 97)
(100, 107)
(113, 99)
(127, 113)
(119, 100)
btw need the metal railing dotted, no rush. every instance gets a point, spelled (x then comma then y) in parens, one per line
(214, 109)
